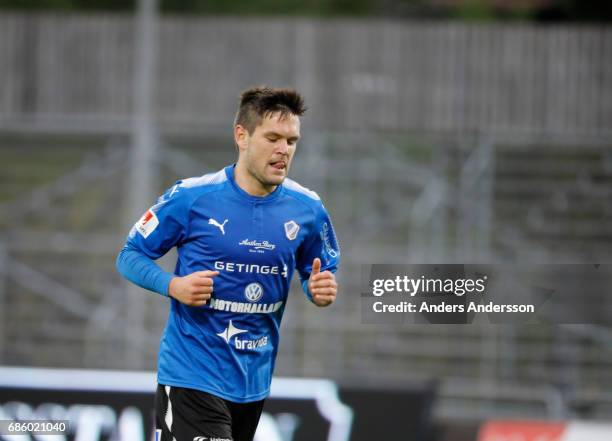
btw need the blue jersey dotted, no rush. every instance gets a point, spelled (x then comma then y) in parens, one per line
(228, 346)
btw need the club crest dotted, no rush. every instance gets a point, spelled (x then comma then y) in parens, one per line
(291, 229)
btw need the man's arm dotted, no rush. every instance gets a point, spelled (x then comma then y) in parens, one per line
(141, 270)
(194, 289)
(162, 227)
(320, 251)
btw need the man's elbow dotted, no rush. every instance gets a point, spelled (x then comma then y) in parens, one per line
(120, 262)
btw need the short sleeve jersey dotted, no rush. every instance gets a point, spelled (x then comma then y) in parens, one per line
(228, 346)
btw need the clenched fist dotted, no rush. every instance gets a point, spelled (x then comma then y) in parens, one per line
(322, 285)
(194, 289)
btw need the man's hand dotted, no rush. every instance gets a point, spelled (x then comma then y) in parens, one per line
(322, 285)
(194, 289)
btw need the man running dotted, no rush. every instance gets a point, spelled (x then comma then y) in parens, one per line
(240, 233)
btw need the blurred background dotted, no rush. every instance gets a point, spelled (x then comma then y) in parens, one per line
(439, 131)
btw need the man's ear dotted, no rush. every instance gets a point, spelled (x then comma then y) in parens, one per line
(241, 137)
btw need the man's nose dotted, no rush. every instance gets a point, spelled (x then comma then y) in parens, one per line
(282, 146)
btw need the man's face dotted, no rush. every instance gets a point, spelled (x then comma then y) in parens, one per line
(268, 151)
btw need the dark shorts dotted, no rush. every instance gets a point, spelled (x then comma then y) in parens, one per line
(187, 414)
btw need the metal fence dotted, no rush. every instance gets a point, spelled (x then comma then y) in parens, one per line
(369, 75)
(411, 199)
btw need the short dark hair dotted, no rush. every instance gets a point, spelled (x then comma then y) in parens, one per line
(258, 102)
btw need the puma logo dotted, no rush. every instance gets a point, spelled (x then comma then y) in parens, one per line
(212, 221)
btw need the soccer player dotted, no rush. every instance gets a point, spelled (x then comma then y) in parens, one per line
(240, 234)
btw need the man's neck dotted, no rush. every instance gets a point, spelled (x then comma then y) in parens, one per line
(246, 181)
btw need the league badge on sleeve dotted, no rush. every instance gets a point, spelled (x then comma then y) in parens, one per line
(291, 229)
(147, 224)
